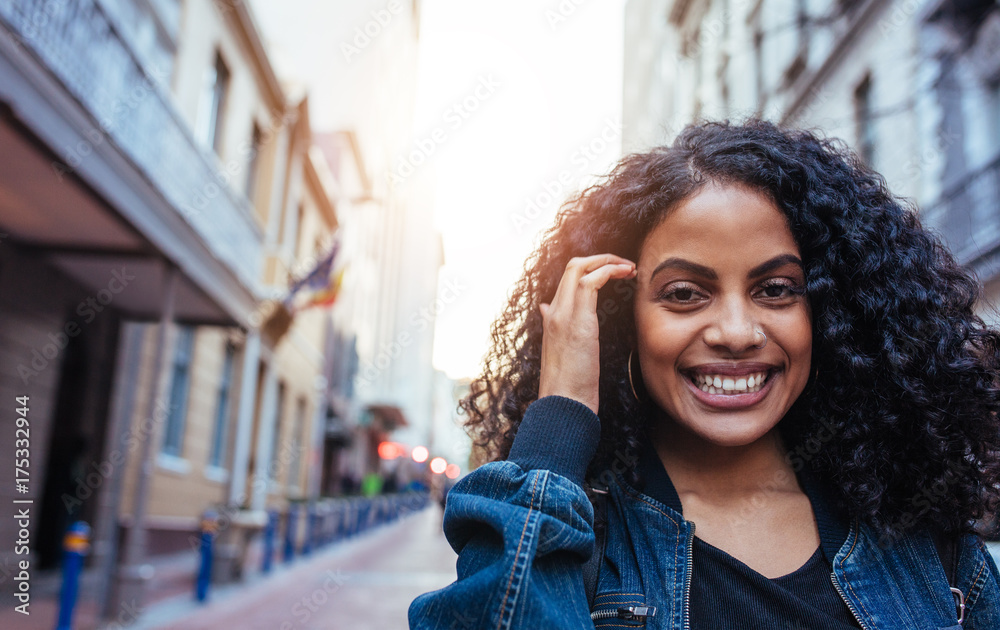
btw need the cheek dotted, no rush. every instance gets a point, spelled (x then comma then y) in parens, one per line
(797, 341)
(661, 339)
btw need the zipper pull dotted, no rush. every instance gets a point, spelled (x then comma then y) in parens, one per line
(636, 612)
(959, 604)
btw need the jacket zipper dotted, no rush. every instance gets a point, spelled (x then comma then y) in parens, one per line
(687, 579)
(633, 613)
(840, 591)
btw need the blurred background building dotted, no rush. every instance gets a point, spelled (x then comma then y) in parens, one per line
(208, 303)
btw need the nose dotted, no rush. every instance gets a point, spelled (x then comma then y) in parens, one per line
(733, 328)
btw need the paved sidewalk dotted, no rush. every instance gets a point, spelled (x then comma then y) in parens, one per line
(366, 583)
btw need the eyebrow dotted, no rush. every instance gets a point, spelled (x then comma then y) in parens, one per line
(708, 273)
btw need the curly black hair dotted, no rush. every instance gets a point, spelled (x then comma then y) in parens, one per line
(902, 417)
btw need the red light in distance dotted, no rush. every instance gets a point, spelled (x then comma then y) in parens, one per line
(389, 450)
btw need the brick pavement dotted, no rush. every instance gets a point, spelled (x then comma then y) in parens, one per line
(366, 583)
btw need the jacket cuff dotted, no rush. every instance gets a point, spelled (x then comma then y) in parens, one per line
(558, 434)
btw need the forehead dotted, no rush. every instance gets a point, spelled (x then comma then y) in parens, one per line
(721, 224)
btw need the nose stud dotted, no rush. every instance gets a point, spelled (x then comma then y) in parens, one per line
(761, 332)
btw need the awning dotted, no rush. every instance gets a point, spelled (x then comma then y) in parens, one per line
(387, 417)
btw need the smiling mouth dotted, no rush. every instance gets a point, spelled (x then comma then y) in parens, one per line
(729, 385)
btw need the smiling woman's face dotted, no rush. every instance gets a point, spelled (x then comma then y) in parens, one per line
(722, 265)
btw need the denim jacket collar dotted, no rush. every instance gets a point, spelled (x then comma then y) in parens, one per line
(907, 598)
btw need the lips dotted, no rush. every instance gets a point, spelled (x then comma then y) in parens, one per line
(731, 386)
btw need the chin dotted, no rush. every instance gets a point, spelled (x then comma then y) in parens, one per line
(730, 435)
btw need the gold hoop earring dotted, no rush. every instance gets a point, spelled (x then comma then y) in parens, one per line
(630, 383)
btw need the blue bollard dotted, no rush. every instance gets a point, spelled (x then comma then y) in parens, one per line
(291, 524)
(307, 541)
(324, 526)
(269, 532)
(313, 531)
(209, 525)
(330, 524)
(349, 515)
(76, 544)
(339, 521)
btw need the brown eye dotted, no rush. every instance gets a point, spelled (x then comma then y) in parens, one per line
(680, 295)
(780, 289)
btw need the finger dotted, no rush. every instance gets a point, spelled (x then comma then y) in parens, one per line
(590, 284)
(576, 269)
(585, 264)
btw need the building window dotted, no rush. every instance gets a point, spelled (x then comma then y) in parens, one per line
(217, 456)
(212, 104)
(251, 180)
(180, 384)
(865, 120)
(279, 408)
(296, 452)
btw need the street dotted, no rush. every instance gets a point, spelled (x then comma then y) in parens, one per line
(361, 584)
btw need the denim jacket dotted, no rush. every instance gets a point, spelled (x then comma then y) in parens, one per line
(523, 528)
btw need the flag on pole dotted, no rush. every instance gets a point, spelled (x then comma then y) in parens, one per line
(321, 285)
(328, 294)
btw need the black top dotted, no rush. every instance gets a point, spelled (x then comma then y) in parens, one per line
(727, 594)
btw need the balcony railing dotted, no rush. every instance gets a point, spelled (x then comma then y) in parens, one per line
(967, 215)
(81, 46)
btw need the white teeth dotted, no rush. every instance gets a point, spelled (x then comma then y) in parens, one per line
(729, 385)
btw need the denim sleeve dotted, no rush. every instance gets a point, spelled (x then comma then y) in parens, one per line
(984, 613)
(522, 528)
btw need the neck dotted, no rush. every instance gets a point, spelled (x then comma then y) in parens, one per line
(710, 470)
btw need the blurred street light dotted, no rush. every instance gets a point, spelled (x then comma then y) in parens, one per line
(438, 465)
(420, 454)
(390, 450)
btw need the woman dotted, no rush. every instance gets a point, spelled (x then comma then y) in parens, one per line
(743, 335)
